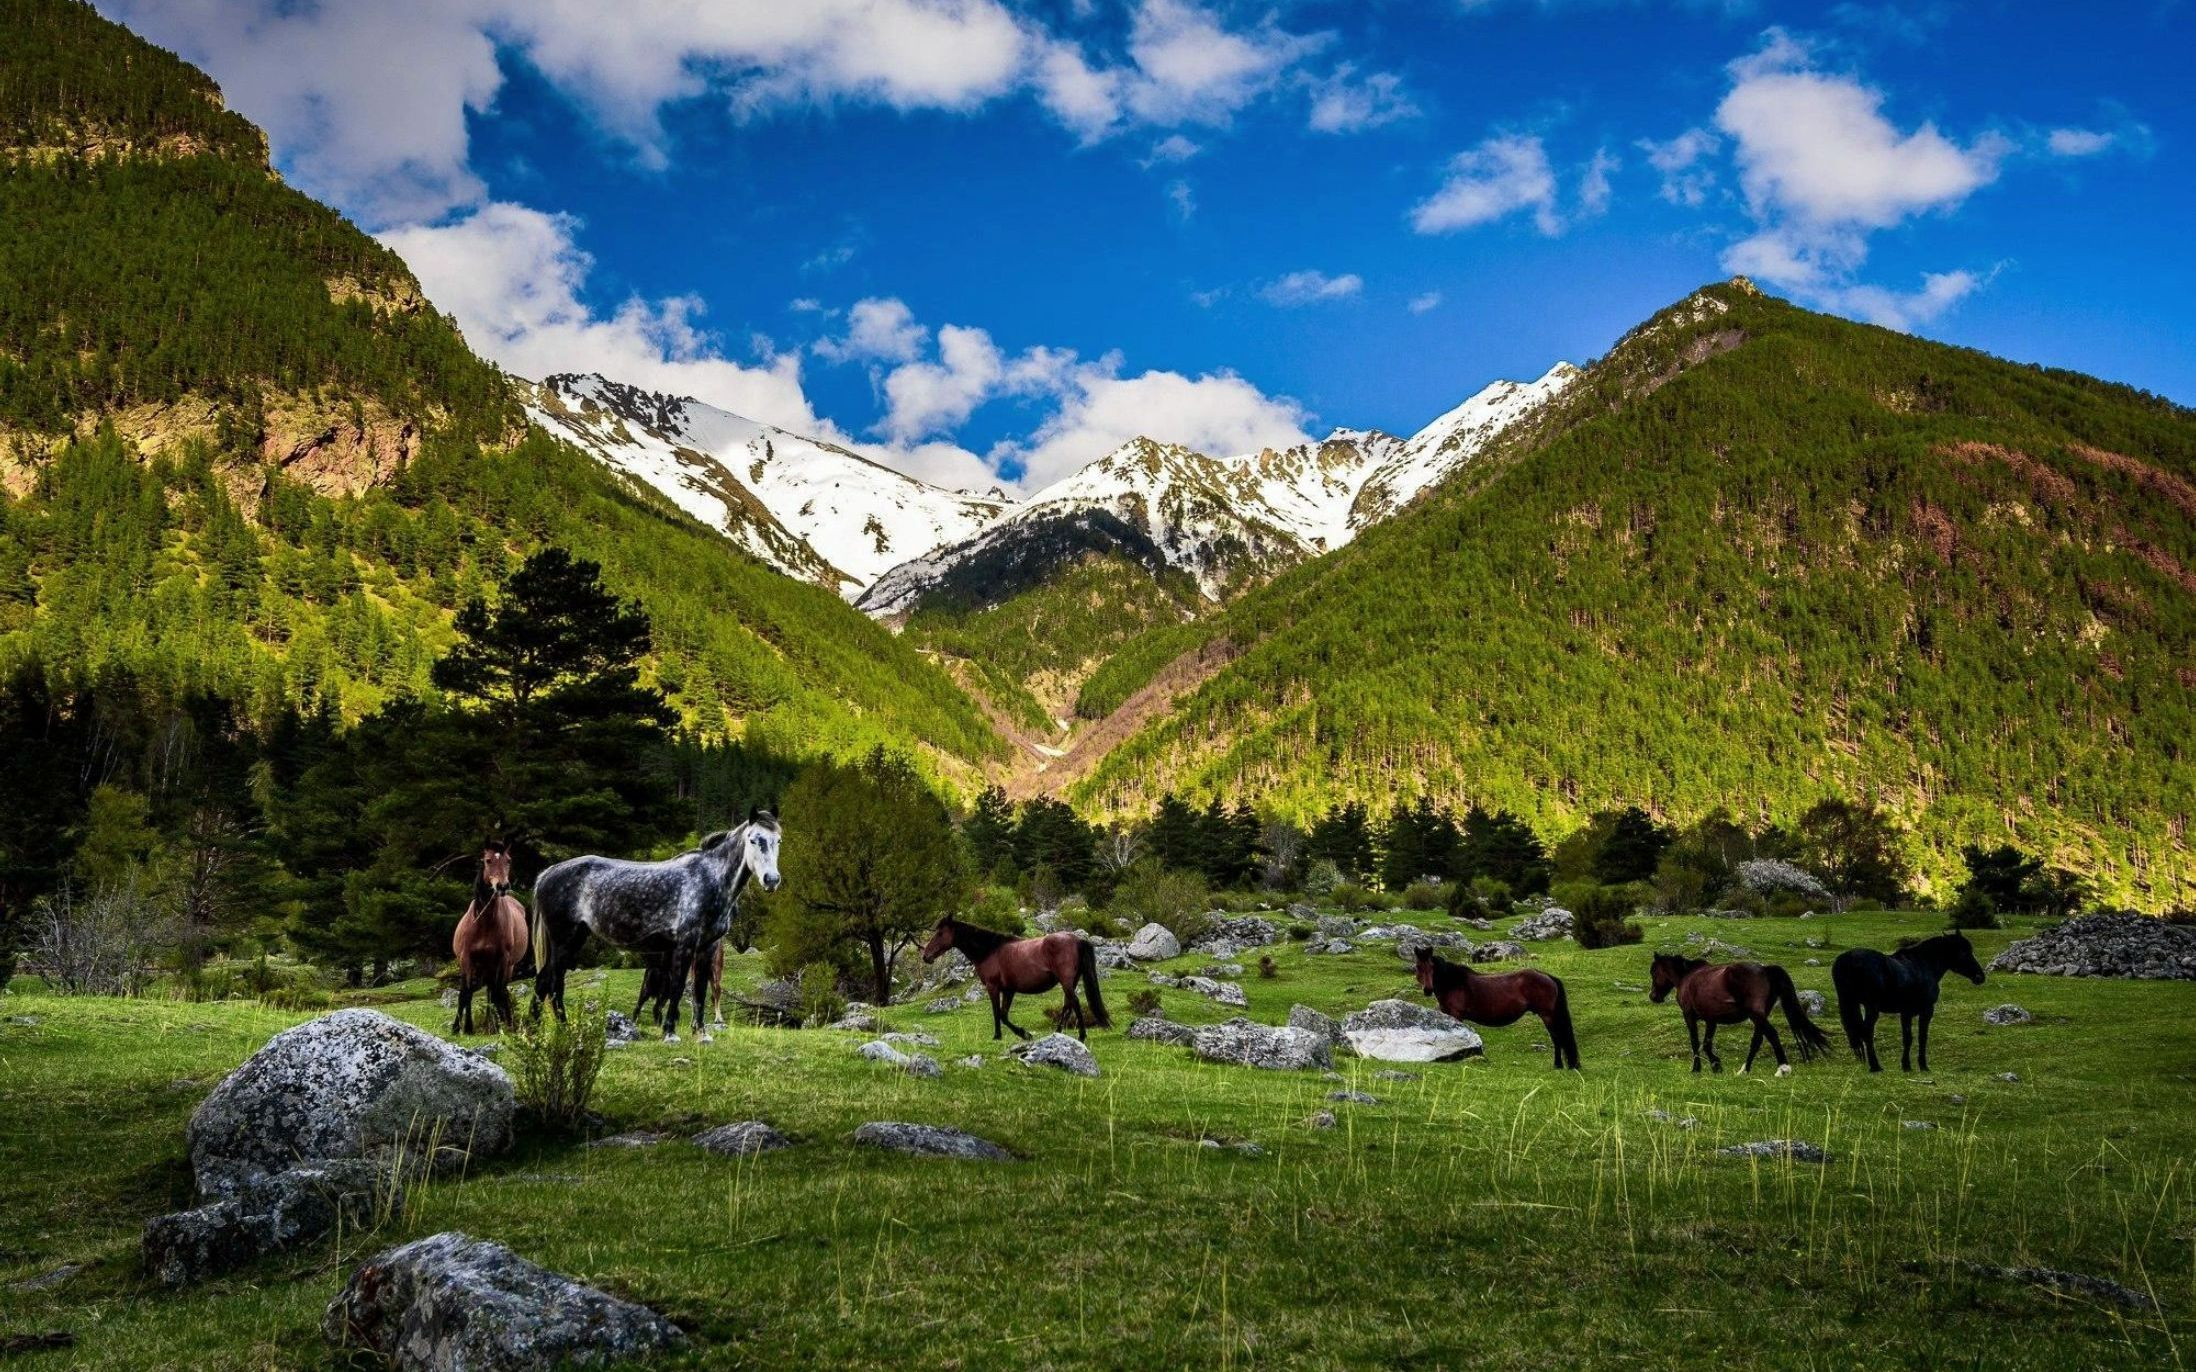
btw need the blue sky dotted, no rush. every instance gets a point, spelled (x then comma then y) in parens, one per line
(983, 239)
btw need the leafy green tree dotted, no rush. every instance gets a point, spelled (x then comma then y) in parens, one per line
(2005, 878)
(1855, 849)
(871, 862)
(1174, 839)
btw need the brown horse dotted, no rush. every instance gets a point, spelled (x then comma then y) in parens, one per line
(1733, 993)
(1501, 998)
(1008, 966)
(490, 942)
(657, 984)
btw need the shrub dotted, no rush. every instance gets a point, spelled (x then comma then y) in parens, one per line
(998, 909)
(1481, 898)
(104, 943)
(1973, 910)
(1600, 915)
(554, 1064)
(1144, 1002)
(1268, 968)
(1301, 933)
(1351, 896)
(1321, 879)
(820, 998)
(1151, 894)
(1424, 895)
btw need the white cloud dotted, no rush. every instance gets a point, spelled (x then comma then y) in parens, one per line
(1172, 148)
(1939, 292)
(1217, 412)
(511, 276)
(1191, 68)
(880, 329)
(2079, 142)
(1593, 183)
(1310, 287)
(1182, 197)
(1502, 176)
(1420, 304)
(1684, 180)
(1347, 103)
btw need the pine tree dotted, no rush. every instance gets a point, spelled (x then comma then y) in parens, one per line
(989, 830)
(1631, 849)
(1173, 840)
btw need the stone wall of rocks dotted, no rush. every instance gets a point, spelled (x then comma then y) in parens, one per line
(2106, 946)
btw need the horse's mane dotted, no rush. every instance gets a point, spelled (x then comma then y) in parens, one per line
(1684, 962)
(1928, 947)
(1447, 973)
(975, 941)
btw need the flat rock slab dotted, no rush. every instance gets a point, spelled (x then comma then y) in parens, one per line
(1798, 1150)
(1157, 1030)
(637, 1138)
(353, 1084)
(742, 1139)
(929, 1141)
(1240, 1043)
(453, 1303)
(1058, 1051)
(2077, 1284)
(266, 1214)
(1399, 1031)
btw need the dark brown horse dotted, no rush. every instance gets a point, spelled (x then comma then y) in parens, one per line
(1732, 994)
(490, 941)
(1500, 998)
(1008, 966)
(657, 984)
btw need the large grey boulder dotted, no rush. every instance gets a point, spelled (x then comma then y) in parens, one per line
(742, 1139)
(353, 1084)
(1336, 926)
(1154, 943)
(1304, 1017)
(267, 1214)
(1060, 1051)
(453, 1303)
(1241, 1043)
(914, 1064)
(1398, 1031)
(2106, 946)
(928, 1141)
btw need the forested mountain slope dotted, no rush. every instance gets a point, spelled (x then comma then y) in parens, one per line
(1753, 557)
(241, 455)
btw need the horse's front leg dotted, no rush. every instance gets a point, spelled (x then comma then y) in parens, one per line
(1074, 1007)
(1692, 1031)
(465, 1003)
(1776, 1045)
(1868, 1037)
(701, 995)
(1906, 1042)
(1006, 1015)
(499, 1004)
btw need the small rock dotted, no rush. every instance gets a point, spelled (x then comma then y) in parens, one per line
(1330, 946)
(1552, 923)
(2078, 1284)
(944, 1005)
(1321, 1119)
(453, 1302)
(1162, 979)
(1916, 1124)
(929, 1141)
(741, 1139)
(1957, 1100)
(2009, 1077)
(1225, 992)
(1812, 1001)
(1391, 1074)
(637, 1138)
(915, 1065)
(856, 1021)
(1221, 969)
(972, 1060)
(1353, 1097)
(2007, 1014)
(46, 1281)
(1798, 1150)
(1500, 950)
(618, 1028)
(1060, 1051)
(920, 1040)
(1159, 1030)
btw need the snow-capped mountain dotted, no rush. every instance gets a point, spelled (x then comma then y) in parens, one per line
(1227, 521)
(812, 509)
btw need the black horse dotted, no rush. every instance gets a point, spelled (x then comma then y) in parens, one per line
(1870, 983)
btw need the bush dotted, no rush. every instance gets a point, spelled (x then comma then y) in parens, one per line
(998, 909)
(1268, 968)
(1424, 895)
(1151, 894)
(104, 943)
(1481, 898)
(1321, 879)
(1601, 914)
(1144, 1002)
(820, 998)
(1973, 910)
(1301, 933)
(554, 1064)
(1351, 897)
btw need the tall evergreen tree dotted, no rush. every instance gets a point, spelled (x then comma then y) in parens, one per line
(1632, 848)
(989, 830)
(1173, 840)
(1500, 846)
(1343, 836)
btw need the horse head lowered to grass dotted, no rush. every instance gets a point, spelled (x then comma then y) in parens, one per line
(676, 908)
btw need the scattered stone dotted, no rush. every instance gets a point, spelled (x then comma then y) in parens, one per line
(1353, 1097)
(972, 1060)
(1162, 979)
(1552, 923)
(929, 1141)
(1242, 1043)
(920, 1040)
(1813, 1003)
(636, 1138)
(680, 1062)
(1320, 1119)
(1407, 946)
(1154, 943)
(1113, 955)
(452, 1302)
(352, 1084)
(1398, 1031)
(25, 1021)
(2009, 1077)
(741, 1139)
(2006, 1014)
(975, 995)
(1221, 969)
(46, 1281)
(914, 1064)
(1333, 945)
(1301, 912)
(263, 1214)
(775, 1003)
(1916, 1124)
(1391, 1074)
(450, 998)
(618, 1029)
(1336, 926)
(2077, 1284)
(1158, 1029)
(1225, 935)
(1813, 962)
(858, 1019)
(1501, 950)
(1304, 1017)
(1061, 1051)
(1798, 1150)
(1957, 1100)
(2137, 946)
(1225, 992)
(944, 1005)
(1485, 926)
(1665, 1117)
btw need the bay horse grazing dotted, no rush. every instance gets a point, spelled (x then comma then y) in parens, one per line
(490, 941)
(1499, 998)
(1733, 993)
(674, 909)
(1869, 983)
(657, 980)
(1008, 966)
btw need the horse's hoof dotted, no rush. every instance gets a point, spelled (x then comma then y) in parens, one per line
(717, 1023)
(1784, 1069)
(703, 1037)
(670, 1038)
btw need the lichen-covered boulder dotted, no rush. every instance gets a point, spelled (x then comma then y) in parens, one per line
(1060, 1051)
(1398, 1031)
(928, 1141)
(1158, 1029)
(1241, 1043)
(741, 1140)
(267, 1214)
(353, 1084)
(454, 1303)
(1304, 1017)
(1154, 943)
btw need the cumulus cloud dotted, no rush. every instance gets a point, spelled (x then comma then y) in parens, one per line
(1310, 288)
(512, 276)
(1505, 175)
(2079, 142)
(1345, 102)
(1685, 180)
(1593, 183)
(1189, 67)
(1172, 148)
(1939, 292)
(1421, 304)
(877, 329)
(1217, 412)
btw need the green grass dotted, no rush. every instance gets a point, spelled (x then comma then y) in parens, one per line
(1492, 1214)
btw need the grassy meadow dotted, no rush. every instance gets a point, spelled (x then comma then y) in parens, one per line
(1491, 1214)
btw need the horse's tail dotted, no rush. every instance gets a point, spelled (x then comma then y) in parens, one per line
(1086, 957)
(541, 936)
(1566, 1037)
(1811, 1040)
(1844, 977)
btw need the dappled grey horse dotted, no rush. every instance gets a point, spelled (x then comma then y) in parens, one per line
(676, 907)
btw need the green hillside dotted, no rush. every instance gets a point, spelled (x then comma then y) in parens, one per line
(240, 454)
(1757, 556)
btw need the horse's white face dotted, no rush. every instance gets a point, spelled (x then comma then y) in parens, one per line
(762, 855)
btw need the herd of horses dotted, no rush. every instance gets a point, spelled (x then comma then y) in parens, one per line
(678, 912)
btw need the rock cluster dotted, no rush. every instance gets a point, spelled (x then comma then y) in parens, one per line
(2106, 946)
(1242, 1043)
(1226, 935)
(1552, 923)
(267, 1214)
